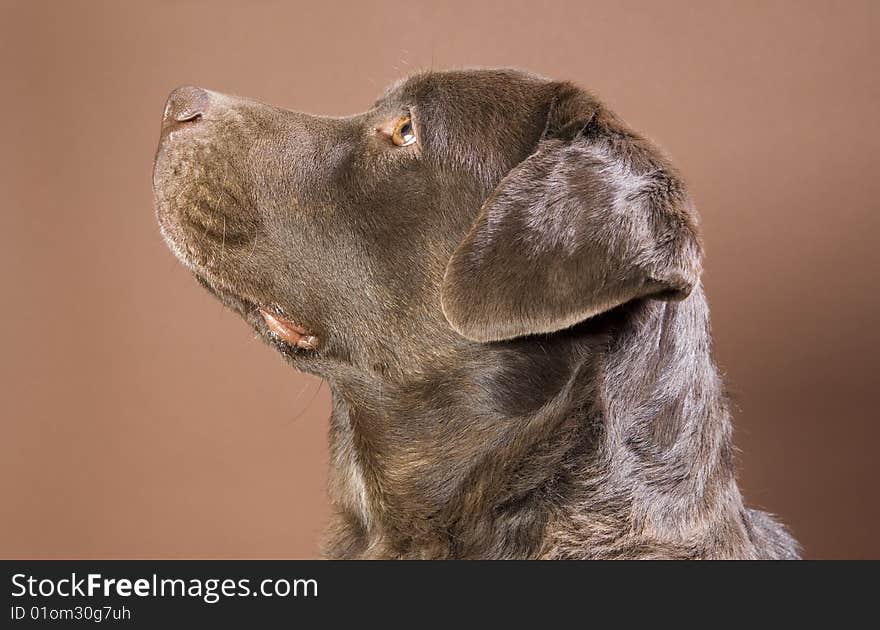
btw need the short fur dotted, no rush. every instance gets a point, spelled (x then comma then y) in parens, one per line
(509, 312)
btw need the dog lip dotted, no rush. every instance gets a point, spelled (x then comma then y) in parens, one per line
(286, 329)
(280, 325)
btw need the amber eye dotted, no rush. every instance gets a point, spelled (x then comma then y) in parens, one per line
(404, 134)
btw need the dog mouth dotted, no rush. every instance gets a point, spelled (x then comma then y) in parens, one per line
(286, 329)
(269, 318)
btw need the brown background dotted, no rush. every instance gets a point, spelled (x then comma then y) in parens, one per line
(140, 419)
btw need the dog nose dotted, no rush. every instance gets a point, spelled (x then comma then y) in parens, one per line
(185, 106)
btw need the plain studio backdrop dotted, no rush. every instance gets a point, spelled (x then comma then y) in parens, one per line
(141, 419)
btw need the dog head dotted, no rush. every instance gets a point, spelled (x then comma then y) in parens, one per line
(462, 208)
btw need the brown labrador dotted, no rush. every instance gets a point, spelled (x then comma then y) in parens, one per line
(500, 281)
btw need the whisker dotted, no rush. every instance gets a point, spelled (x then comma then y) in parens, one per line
(253, 249)
(308, 406)
(223, 242)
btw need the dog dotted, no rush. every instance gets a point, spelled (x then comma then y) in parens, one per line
(500, 281)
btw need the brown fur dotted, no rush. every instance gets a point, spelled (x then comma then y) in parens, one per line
(509, 313)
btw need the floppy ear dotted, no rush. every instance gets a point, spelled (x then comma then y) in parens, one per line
(594, 218)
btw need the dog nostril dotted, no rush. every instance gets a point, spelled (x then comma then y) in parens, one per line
(185, 117)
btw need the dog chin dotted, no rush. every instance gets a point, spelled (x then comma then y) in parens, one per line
(269, 319)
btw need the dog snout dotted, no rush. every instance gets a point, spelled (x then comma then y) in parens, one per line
(185, 106)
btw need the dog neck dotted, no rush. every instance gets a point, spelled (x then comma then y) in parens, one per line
(496, 451)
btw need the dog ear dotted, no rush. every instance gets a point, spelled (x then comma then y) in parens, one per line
(594, 218)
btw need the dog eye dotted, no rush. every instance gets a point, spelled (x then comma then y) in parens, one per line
(404, 134)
